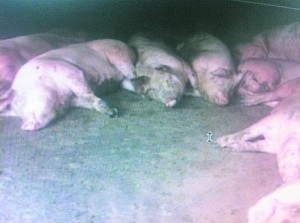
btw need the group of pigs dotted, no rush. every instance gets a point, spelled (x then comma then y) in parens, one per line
(271, 74)
(40, 83)
(43, 75)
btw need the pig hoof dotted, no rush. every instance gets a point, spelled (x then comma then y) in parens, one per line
(222, 142)
(226, 144)
(222, 101)
(113, 113)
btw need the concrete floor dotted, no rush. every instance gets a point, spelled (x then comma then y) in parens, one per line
(152, 164)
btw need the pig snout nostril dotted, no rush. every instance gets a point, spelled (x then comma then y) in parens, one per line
(222, 100)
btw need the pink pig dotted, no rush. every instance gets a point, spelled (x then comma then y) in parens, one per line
(215, 73)
(47, 86)
(282, 42)
(161, 75)
(266, 80)
(17, 51)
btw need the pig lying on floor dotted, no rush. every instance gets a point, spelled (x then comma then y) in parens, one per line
(48, 85)
(281, 206)
(272, 135)
(278, 133)
(216, 77)
(282, 42)
(264, 80)
(161, 74)
(17, 51)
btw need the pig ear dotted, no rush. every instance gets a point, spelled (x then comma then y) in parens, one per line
(190, 91)
(191, 74)
(135, 84)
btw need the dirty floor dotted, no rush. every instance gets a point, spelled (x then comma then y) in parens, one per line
(151, 164)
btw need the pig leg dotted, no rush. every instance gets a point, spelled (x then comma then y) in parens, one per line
(90, 101)
(74, 79)
(251, 139)
(262, 211)
(48, 107)
(40, 108)
(281, 204)
(85, 98)
(288, 158)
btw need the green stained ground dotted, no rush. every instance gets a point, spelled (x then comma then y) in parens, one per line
(152, 164)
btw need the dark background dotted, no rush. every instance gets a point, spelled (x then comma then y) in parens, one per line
(229, 20)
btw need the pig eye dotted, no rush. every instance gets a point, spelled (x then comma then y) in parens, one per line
(164, 68)
(222, 75)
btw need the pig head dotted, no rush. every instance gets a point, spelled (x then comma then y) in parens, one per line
(259, 75)
(267, 80)
(160, 83)
(216, 77)
(160, 74)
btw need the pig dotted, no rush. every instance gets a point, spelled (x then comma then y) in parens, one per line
(278, 133)
(263, 78)
(17, 51)
(47, 86)
(216, 77)
(161, 75)
(280, 206)
(281, 42)
(259, 75)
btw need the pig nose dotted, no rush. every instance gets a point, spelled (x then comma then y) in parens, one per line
(221, 100)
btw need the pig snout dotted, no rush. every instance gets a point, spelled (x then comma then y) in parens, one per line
(174, 91)
(218, 98)
(221, 99)
(169, 97)
(167, 89)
